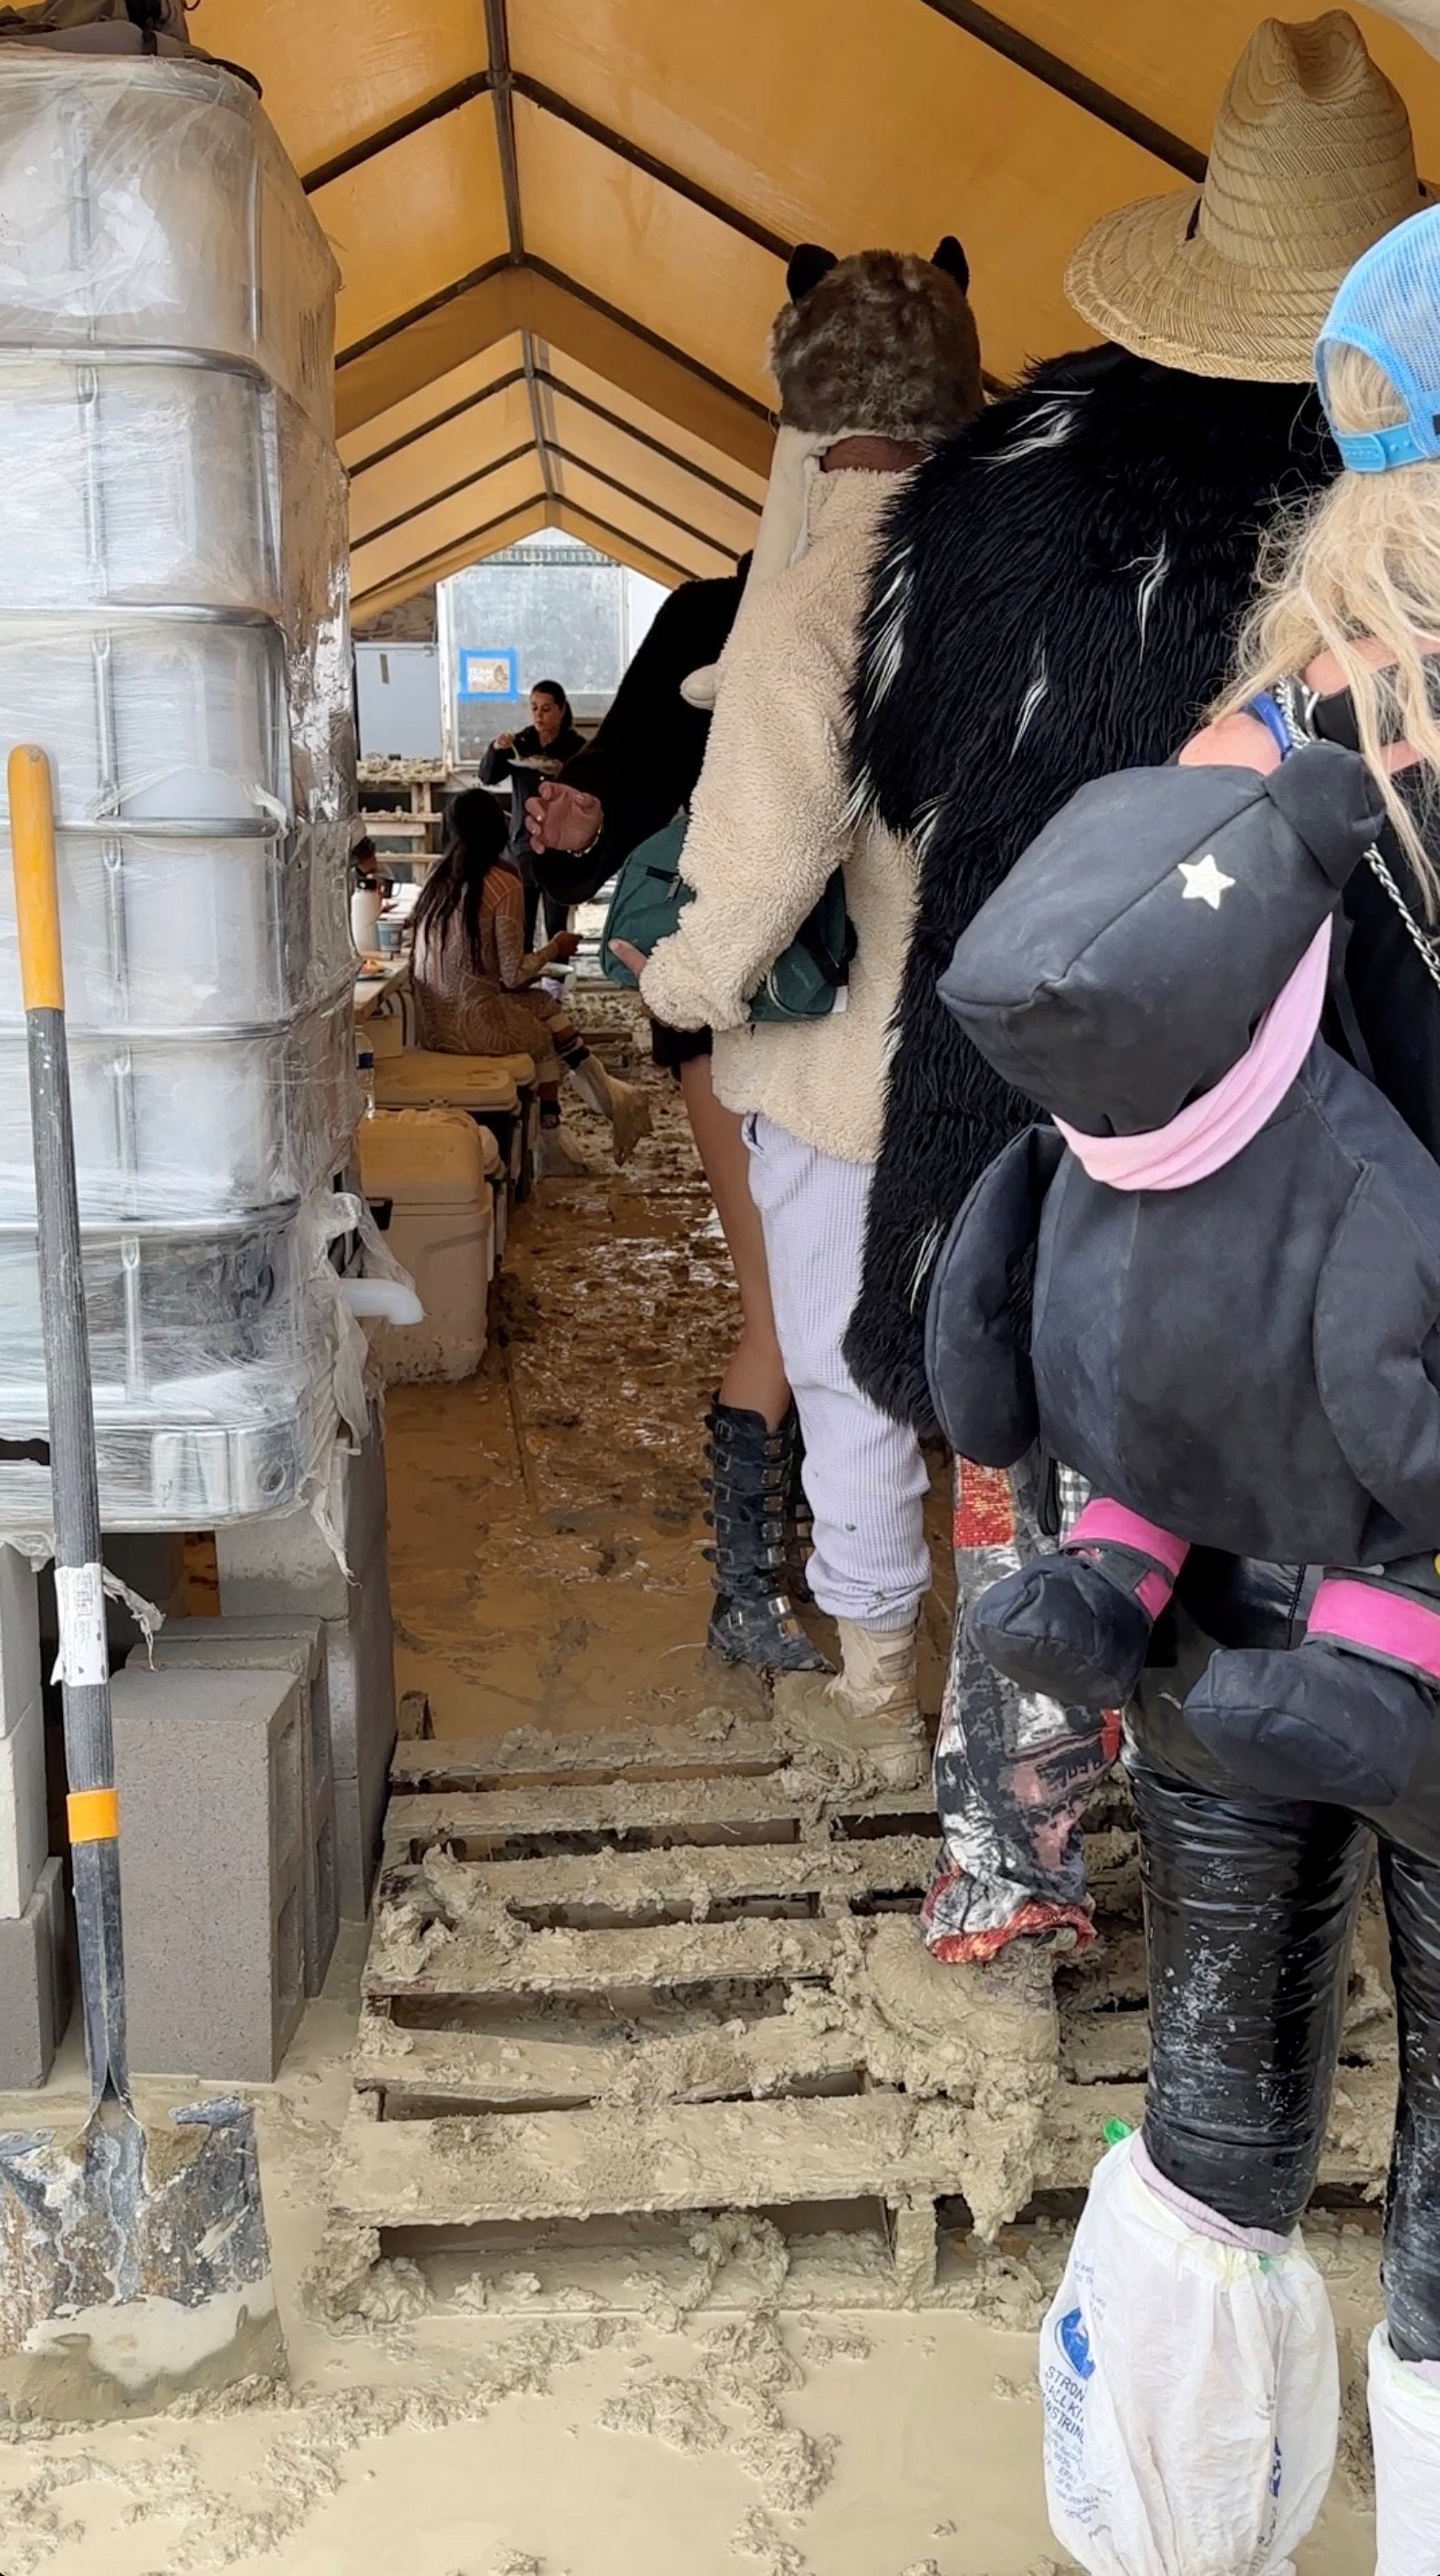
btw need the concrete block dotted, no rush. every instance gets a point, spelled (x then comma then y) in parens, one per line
(34, 1985)
(19, 1639)
(285, 1563)
(361, 1655)
(273, 1641)
(24, 1833)
(210, 1769)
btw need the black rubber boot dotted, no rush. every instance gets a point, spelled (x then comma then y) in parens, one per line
(754, 1620)
(1067, 1627)
(1319, 1722)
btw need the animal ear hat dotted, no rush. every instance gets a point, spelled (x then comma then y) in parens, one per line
(881, 345)
(1312, 160)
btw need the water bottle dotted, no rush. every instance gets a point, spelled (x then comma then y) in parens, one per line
(365, 1067)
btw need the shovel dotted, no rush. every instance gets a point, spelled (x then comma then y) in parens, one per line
(134, 2262)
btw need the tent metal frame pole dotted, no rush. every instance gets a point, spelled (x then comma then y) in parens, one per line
(645, 438)
(441, 420)
(421, 312)
(663, 172)
(999, 37)
(440, 554)
(451, 491)
(446, 102)
(686, 527)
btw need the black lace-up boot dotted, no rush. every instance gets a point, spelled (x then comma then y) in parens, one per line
(754, 1618)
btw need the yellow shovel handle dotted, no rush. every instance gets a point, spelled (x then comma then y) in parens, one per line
(37, 885)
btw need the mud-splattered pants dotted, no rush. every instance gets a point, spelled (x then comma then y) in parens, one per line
(865, 1479)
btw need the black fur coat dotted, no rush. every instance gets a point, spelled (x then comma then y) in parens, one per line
(1057, 597)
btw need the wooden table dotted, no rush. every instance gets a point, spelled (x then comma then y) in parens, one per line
(381, 978)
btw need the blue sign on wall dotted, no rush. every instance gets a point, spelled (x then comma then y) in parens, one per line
(488, 674)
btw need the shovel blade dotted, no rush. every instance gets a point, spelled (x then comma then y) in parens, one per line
(134, 2265)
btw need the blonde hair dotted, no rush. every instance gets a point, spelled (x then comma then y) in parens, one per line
(1363, 559)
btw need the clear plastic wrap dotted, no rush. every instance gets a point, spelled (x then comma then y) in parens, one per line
(225, 1360)
(190, 1125)
(174, 633)
(176, 927)
(150, 205)
(132, 481)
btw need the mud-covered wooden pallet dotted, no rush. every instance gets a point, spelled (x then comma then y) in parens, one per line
(631, 1976)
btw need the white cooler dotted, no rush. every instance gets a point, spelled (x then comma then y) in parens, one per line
(431, 1164)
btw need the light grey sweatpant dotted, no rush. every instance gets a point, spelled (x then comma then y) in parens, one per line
(864, 1475)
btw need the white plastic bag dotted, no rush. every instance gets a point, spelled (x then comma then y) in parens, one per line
(1405, 2427)
(1191, 2393)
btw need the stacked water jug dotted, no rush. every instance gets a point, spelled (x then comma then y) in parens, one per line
(173, 631)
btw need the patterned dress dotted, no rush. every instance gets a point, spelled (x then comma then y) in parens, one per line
(469, 1005)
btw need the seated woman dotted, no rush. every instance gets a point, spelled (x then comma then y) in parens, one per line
(475, 986)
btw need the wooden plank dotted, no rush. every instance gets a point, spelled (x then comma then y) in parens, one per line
(488, 2069)
(725, 2155)
(686, 1810)
(465, 2172)
(566, 1962)
(697, 1877)
(527, 1757)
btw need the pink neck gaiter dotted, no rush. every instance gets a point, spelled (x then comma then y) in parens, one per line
(1211, 1131)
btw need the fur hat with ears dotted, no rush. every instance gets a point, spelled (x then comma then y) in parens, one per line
(883, 343)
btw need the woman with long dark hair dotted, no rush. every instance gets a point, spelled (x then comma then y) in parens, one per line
(476, 986)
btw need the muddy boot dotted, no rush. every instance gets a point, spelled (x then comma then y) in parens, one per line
(869, 1710)
(626, 1107)
(754, 1620)
(554, 1160)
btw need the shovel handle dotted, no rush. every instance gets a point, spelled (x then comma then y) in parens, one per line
(37, 880)
(93, 1811)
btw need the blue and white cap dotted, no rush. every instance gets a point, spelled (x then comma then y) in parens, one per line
(1389, 306)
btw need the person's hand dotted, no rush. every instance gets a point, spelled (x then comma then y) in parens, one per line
(504, 742)
(562, 818)
(631, 956)
(565, 945)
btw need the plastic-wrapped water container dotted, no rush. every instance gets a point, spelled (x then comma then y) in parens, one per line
(134, 481)
(150, 205)
(213, 1354)
(173, 926)
(189, 1126)
(151, 715)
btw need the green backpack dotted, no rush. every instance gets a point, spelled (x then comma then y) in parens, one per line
(805, 983)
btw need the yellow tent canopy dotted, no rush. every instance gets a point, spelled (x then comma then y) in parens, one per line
(562, 224)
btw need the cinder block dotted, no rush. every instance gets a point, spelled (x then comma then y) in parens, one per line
(19, 1639)
(34, 1985)
(24, 1833)
(285, 1562)
(272, 1641)
(361, 1655)
(210, 1769)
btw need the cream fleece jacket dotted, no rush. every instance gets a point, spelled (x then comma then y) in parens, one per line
(769, 823)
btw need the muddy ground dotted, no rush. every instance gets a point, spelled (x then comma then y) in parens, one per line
(546, 1564)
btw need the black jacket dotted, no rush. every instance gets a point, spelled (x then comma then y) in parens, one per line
(1057, 597)
(647, 755)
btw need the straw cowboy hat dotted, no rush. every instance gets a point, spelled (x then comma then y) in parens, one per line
(1312, 160)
